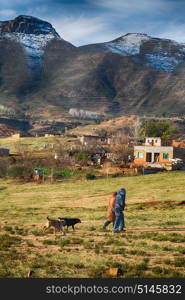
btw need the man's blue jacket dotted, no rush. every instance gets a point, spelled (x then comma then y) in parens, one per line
(120, 200)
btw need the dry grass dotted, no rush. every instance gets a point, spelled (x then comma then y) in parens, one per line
(34, 145)
(153, 245)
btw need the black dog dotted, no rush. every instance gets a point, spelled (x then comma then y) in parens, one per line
(70, 222)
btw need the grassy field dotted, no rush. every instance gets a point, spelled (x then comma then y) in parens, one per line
(153, 245)
(33, 144)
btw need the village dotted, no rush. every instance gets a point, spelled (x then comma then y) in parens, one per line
(95, 154)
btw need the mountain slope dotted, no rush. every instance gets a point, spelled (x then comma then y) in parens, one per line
(23, 43)
(160, 54)
(114, 84)
(42, 75)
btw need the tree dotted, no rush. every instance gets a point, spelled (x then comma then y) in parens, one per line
(102, 131)
(164, 129)
(136, 127)
(121, 152)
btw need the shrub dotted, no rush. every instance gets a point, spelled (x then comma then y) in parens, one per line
(21, 231)
(179, 262)
(81, 156)
(140, 207)
(181, 250)
(2, 188)
(62, 243)
(90, 176)
(79, 266)
(119, 251)
(138, 252)
(168, 261)
(63, 173)
(76, 241)
(49, 242)
(97, 250)
(92, 228)
(37, 232)
(87, 245)
(3, 168)
(160, 271)
(6, 241)
(8, 228)
(21, 172)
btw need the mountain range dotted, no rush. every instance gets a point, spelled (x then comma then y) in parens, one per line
(44, 76)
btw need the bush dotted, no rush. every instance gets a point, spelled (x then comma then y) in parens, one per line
(16, 171)
(160, 271)
(62, 243)
(92, 228)
(90, 176)
(3, 168)
(179, 262)
(6, 241)
(21, 172)
(49, 242)
(81, 158)
(63, 173)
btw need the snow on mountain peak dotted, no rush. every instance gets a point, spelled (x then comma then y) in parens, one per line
(33, 45)
(32, 33)
(160, 54)
(128, 44)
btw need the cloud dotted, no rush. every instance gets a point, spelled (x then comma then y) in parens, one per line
(40, 10)
(133, 6)
(174, 32)
(91, 21)
(14, 3)
(83, 30)
(7, 13)
(136, 4)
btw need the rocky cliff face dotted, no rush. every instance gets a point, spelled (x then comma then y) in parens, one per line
(27, 25)
(32, 34)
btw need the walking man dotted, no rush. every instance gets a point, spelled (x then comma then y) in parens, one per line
(119, 225)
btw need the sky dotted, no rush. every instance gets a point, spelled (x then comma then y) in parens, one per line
(84, 22)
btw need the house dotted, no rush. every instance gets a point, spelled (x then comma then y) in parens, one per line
(48, 135)
(52, 134)
(4, 152)
(117, 140)
(178, 144)
(92, 140)
(16, 135)
(153, 152)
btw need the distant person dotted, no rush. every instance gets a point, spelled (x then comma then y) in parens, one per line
(111, 215)
(38, 175)
(119, 225)
(129, 158)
